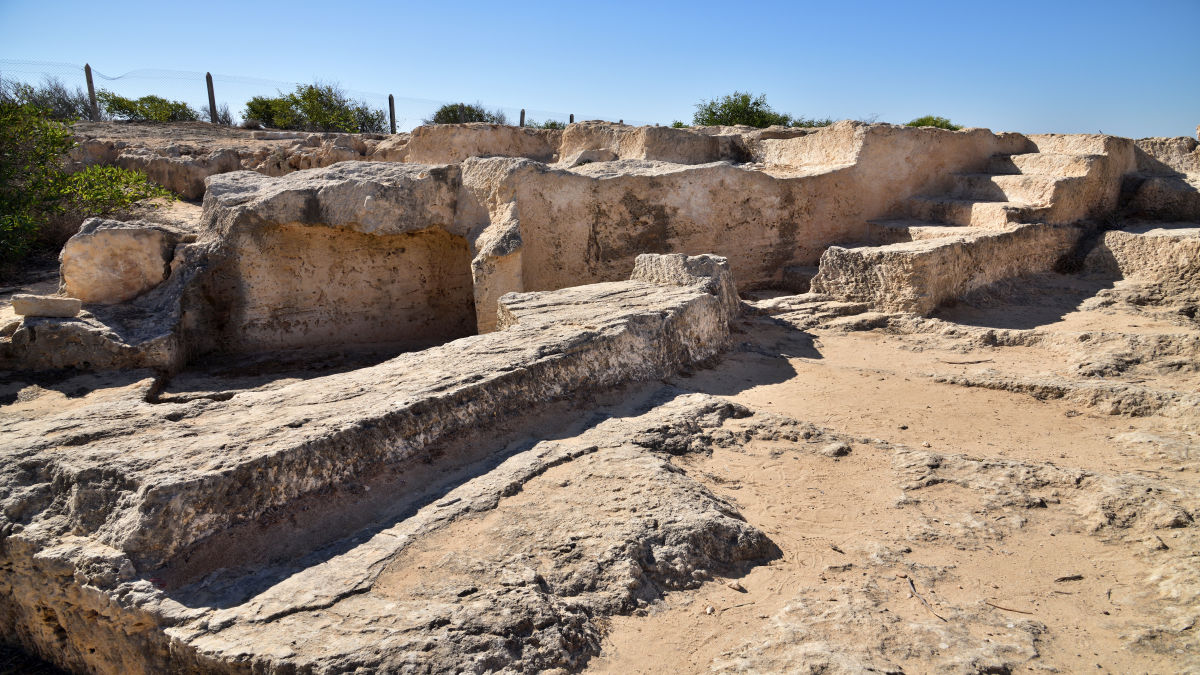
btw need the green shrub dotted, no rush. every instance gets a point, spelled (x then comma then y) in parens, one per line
(146, 109)
(35, 191)
(738, 108)
(934, 121)
(52, 95)
(459, 113)
(31, 180)
(548, 124)
(316, 107)
(677, 124)
(101, 190)
(810, 123)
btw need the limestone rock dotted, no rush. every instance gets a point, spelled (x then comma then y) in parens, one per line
(452, 143)
(709, 272)
(45, 305)
(1149, 251)
(110, 261)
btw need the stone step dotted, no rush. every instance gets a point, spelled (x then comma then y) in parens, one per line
(918, 276)
(968, 212)
(1042, 163)
(989, 187)
(904, 229)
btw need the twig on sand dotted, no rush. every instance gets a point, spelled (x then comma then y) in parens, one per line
(966, 363)
(1007, 609)
(924, 601)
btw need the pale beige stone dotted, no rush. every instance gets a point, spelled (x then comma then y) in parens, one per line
(109, 262)
(46, 305)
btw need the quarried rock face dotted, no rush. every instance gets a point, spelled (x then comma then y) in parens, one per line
(183, 538)
(354, 254)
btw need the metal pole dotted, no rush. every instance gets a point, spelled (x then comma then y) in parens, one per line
(522, 117)
(95, 110)
(212, 99)
(392, 111)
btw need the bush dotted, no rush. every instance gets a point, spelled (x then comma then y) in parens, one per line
(224, 117)
(101, 190)
(31, 180)
(459, 113)
(34, 190)
(316, 107)
(739, 108)
(934, 121)
(548, 124)
(146, 109)
(677, 124)
(54, 96)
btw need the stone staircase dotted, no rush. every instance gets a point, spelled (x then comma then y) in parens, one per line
(1015, 216)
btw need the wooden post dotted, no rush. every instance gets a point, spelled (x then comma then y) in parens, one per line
(212, 99)
(392, 111)
(572, 119)
(522, 117)
(462, 113)
(95, 110)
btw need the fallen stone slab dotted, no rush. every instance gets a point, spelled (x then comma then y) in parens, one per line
(46, 305)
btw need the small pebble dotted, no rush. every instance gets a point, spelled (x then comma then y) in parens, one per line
(709, 609)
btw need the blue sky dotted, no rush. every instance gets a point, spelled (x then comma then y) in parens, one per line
(1126, 68)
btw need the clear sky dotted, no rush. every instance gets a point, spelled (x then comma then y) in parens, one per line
(1126, 68)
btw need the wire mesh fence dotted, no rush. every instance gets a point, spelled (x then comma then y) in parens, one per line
(235, 90)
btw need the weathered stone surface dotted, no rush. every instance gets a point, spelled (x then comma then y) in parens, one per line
(576, 339)
(918, 276)
(181, 156)
(46, 305)
(111, 261)
(452, 143)
(1158, 252)
(629, 527)
(356, 253)
(711, 273)
(154, 517)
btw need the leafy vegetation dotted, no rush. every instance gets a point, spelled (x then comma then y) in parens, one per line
(316, 107)
(548, 124)
(52, 95)
(678, 124)
(34, 189)
(934, 121)
(744, 108)
(459, 113)
(148, 108)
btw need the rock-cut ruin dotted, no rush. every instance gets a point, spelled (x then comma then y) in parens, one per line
(475, 399)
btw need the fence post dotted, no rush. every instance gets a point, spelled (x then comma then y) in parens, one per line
(572, 119)
(392, 111)
(522, 117)
(462, 113)
(95, 110)
(212, 99)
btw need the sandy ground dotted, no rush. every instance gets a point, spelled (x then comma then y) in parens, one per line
(824, 514)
